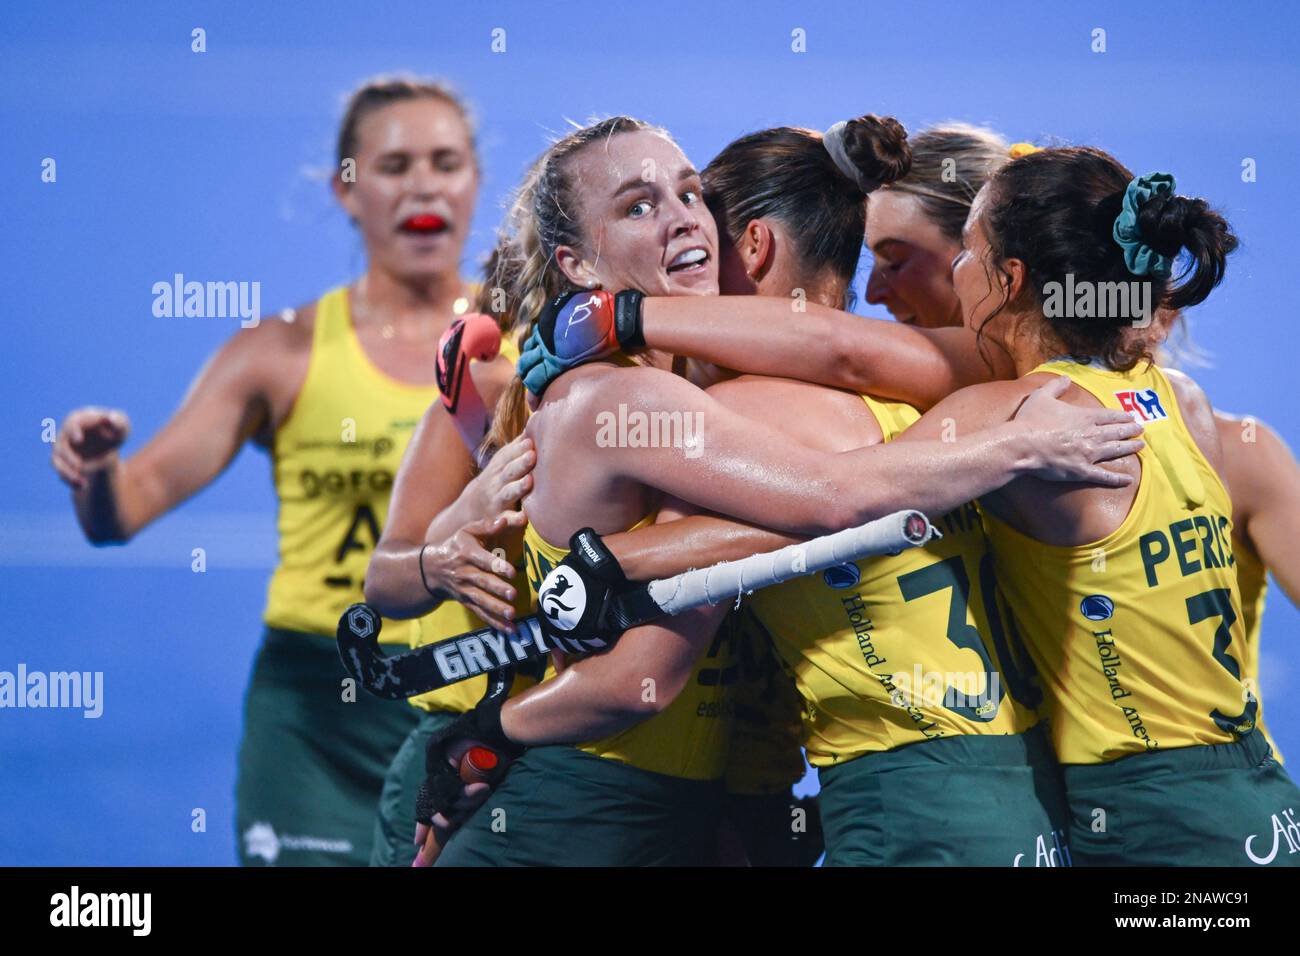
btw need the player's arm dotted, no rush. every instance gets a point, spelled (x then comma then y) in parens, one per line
(700, 540)
(764, 335)
(227, 403)
(697, 541)
(1264, 481)
(754, 473)
(606, 694)
(440, 516)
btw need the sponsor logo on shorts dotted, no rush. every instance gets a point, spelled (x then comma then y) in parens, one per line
(1050, 849)
(1284, 829)
(261, 840)
(1096, 607)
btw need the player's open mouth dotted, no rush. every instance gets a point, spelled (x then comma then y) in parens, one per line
(425, 224)
(690, 260)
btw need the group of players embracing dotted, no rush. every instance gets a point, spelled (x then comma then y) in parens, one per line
(1065, 675)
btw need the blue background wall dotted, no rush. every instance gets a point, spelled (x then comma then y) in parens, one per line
(214, 165)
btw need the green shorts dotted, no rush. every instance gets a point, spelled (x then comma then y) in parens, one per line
(393, 843)
(1224, 805)
(311, 764)
(559, 806)
(969, 800)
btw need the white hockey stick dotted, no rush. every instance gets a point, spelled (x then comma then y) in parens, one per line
(465, 656)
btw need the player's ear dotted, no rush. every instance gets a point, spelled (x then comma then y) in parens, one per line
(343, 193)
(575, 268)
(756, 248)
(1013, 276)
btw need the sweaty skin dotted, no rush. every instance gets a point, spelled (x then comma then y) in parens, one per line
(741, 467)
(1263, 479)
(823, 345)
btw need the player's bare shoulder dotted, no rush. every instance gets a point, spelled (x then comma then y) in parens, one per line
(830, 419)
(278, 353)
(972, 409)
(1237, 430)
(1257, 463)
(1197, 414)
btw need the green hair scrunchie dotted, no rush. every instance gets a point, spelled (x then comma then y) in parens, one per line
(1140, 258)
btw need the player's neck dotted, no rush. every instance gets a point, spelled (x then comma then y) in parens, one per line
(1029, 342)
(405, 304)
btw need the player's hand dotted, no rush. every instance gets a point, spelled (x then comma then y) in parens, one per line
(462, 569)
(504, 481)
(88, 442)
(576, 602)
(431, 837)
(576, 328)
(449, 794)
(1070, 442)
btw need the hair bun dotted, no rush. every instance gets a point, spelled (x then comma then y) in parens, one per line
(877, 146)
(1166, 221)
(1170, 224)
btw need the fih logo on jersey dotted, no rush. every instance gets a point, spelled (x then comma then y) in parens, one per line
(563, 598)
(842, 576)
(1096, 607)
(1143, 404)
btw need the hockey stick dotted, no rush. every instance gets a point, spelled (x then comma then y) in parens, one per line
(469, 337)
(465, 656)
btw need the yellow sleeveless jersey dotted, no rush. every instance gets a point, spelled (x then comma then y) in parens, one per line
(1252, 579)
(1138, 637)
(687, 739)
(334, 459)
(766, 752)
(894, 650)
(333, 463)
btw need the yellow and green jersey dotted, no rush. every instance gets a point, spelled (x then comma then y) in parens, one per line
(1252, 579)
(1138, 637)
(894, 650)
(334, 460)
(689, 738)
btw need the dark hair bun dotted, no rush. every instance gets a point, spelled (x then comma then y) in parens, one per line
(878, 147)
(1170, 224)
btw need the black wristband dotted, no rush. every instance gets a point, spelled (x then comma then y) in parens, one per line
(589, 548)
(483, 723)
(423, 579)
(627, 319)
